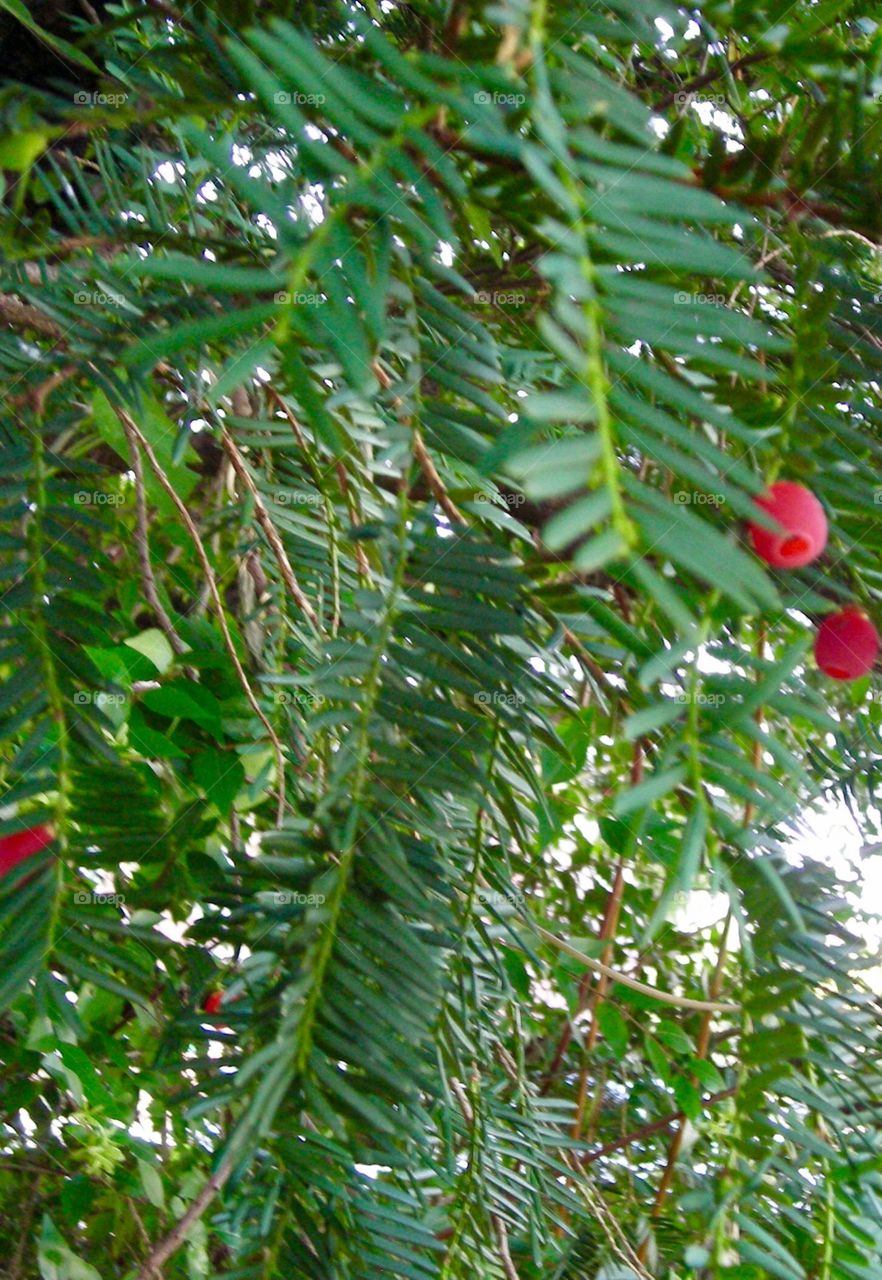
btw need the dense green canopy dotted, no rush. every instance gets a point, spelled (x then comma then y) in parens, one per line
(385, 391)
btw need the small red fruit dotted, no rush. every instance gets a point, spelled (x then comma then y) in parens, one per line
(23, 844)
(847, 644)
(803, 535)
(212, 1001)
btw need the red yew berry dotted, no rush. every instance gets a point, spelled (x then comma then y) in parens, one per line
(846, 644)
(803, 535)
(212, 1001)
(23, 844)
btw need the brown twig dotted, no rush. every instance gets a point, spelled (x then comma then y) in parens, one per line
(701, 1047)
(607, 933)
(16, 1267)
(218, 603)
(142, 542)
(499, 1226)
(423, 459)
(23, 315)
(615, 975)
(361, 559)
(175, 1238)
(38, 395)
(691, 86)
(647, 1130)
(434, 481)
(272, 534)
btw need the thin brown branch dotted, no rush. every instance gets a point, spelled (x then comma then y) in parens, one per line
(647, 1130)
(38, 395)
(424, 460)
(176, 1237)
(434, 481)
(609, 1223)
(361, 559)
(499, 1226)
(218, 603)
(16, 1266)
(23, 315)
(701, 1048)
(272, 534)
(615, 975)
(692, 86)
(508, 1265)
(142, 543)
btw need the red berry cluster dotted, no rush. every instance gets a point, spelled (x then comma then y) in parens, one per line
(21, 845)
(213, 1001)
(847, 642)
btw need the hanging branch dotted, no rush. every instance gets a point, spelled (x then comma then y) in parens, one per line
(423, 459)
(272, 533)
(607, 934)
(702, 1043)
(129, 424)
(142, 542)
(178, 1234)
(499, 1226)
(615, 975)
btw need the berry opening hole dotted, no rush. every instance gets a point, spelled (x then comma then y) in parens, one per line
(795, 545)
(838, 673)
